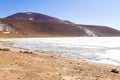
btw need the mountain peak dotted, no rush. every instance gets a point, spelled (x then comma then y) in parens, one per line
(31, 16)
(29, 13)
(36, 24)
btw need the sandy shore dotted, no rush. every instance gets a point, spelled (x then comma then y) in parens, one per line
(16, 65)
(24, 66)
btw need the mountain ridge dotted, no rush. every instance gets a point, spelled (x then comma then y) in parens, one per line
(36, 25)
(31, 16)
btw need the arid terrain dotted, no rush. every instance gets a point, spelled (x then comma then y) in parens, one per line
(19, 64)
(15, 65)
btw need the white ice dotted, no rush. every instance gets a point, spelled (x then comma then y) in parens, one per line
(96, 49)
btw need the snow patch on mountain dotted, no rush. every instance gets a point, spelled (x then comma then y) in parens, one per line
(5, 28)
(31, 19)
(8, 29)
(28, 13)
(90, 33)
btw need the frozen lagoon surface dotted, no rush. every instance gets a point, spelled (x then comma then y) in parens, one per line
(96, 49)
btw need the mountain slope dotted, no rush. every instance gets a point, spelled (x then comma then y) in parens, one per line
(101, 31)
(32, 16)
(45, 28)
(38, 25)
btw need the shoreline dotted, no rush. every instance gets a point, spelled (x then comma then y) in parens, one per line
(48, 66)
(18, 49)
(25, 66)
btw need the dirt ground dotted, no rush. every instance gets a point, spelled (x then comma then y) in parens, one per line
(25, 66)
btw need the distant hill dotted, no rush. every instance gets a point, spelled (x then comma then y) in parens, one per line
(31, 24)
(100, 31)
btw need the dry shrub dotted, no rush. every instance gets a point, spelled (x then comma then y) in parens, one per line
(4, 49)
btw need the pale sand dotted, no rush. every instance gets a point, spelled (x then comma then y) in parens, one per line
(21, 66)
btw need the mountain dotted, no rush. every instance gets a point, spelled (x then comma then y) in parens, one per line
(100, 31)
(31, 24)
(68, 22)
(31, 16)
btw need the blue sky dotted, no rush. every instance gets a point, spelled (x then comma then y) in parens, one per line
(96, 12)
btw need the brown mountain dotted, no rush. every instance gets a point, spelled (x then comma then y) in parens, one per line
(31, 16)
(38, 25)
(101, 31)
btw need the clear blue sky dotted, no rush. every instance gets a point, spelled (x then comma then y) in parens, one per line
(96, 12)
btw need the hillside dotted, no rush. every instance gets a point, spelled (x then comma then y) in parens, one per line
(102, 31)
(38, 25)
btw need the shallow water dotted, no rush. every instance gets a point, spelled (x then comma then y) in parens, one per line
(96, 49)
